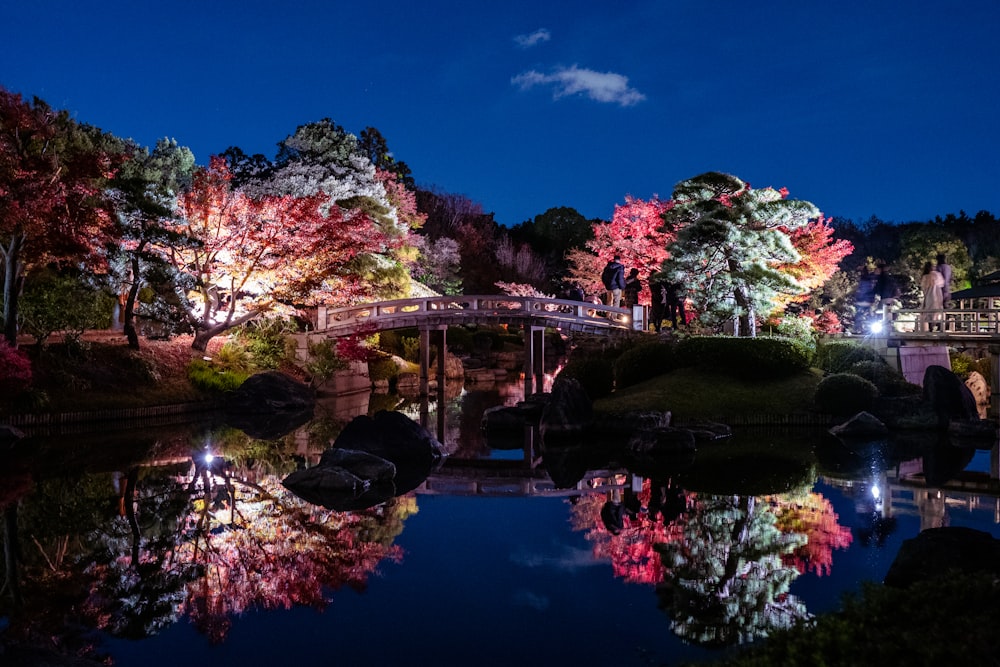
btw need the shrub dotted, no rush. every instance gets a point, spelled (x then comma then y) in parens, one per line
(411, 349)
(323, 361)
(232, 356)
(52, 302)
(767, 357)
(266, 341)
(382, 368)
(643, 362)
(844, 394)
(15, 370)
(838, 356)
(204, 375)
(596, 375)
(963, 364)
(886, 379)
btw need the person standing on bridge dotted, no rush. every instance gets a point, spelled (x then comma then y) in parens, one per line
(931, 283)
(944, 268)
(613, 277)
(633, 286)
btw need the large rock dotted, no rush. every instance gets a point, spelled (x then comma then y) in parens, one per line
(367, 466)
(935, 551)
(344, 480)
(394, 437)
(660, 452)
(863, 425)
(271, 391)
(980, 389)
(948, 396)
(269, 405)
(568, 411)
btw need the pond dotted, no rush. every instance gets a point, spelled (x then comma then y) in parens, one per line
(135, 550)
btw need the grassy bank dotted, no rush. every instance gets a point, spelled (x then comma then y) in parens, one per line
(696, 393)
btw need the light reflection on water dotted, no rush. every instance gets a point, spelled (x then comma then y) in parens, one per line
(226, 561)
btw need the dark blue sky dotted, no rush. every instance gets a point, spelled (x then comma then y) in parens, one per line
(863, 108)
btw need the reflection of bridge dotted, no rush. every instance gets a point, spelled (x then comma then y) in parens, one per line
(467, 477)
(433, 315)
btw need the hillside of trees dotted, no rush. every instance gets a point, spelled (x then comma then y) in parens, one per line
(94, 226)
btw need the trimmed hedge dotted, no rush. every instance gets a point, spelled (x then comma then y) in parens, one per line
(888, 380)
(768, 357)
(844, 394)
(839, 356)
(643, 362)
(595, 374)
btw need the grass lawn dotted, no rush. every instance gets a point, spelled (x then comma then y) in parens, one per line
(698, 393)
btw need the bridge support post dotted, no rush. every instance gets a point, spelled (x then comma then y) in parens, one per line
(425, 356)
(534, 359)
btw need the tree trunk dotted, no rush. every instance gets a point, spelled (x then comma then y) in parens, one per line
(133, 521)
(133, 293)
(12, 283)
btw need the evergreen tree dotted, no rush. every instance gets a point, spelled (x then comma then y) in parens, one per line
(731, 241)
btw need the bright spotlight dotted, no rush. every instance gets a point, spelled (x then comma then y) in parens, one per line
(876, 327)
(876, 492)
(209, 457)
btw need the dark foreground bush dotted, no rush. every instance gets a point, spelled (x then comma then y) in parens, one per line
(746, 358)
(949, 620)
(844, 394)
(643, 362)
(595, 374)
(886, 379)
(838, 356)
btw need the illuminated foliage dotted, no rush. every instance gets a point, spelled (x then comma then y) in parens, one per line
(635, 234)
(732, 241)
(53, 206)
(725, 580)
(811, 515)
(257, 255)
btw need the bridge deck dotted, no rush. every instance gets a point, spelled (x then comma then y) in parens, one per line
(437, 312)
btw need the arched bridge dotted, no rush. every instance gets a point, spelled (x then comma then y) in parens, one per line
(433, 315)
(435, 312)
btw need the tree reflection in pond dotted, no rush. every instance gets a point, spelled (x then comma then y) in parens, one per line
(135, 552)
(722, 565)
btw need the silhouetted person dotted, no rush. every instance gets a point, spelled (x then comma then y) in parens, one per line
(674, 304)
(613, 277)
(944, 268)
(657, 305)
(633, 285)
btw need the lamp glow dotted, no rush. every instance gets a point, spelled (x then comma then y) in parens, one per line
(876, 327)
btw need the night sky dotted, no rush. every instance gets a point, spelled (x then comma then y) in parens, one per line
(863, 108)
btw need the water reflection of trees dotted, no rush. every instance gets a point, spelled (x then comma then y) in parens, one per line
(722, 565)
(132, 552)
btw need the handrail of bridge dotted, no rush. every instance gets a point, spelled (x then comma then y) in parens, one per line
(943, 323)
(469, 309)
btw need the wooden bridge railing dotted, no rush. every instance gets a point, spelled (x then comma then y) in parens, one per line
(426, 312)
(944, 323)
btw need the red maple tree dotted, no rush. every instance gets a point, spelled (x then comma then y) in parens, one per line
(251, 255)
(53, 207)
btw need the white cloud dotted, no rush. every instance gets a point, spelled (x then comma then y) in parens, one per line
(535, 38)
(599, 86)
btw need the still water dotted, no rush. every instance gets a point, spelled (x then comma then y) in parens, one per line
(135, 551)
